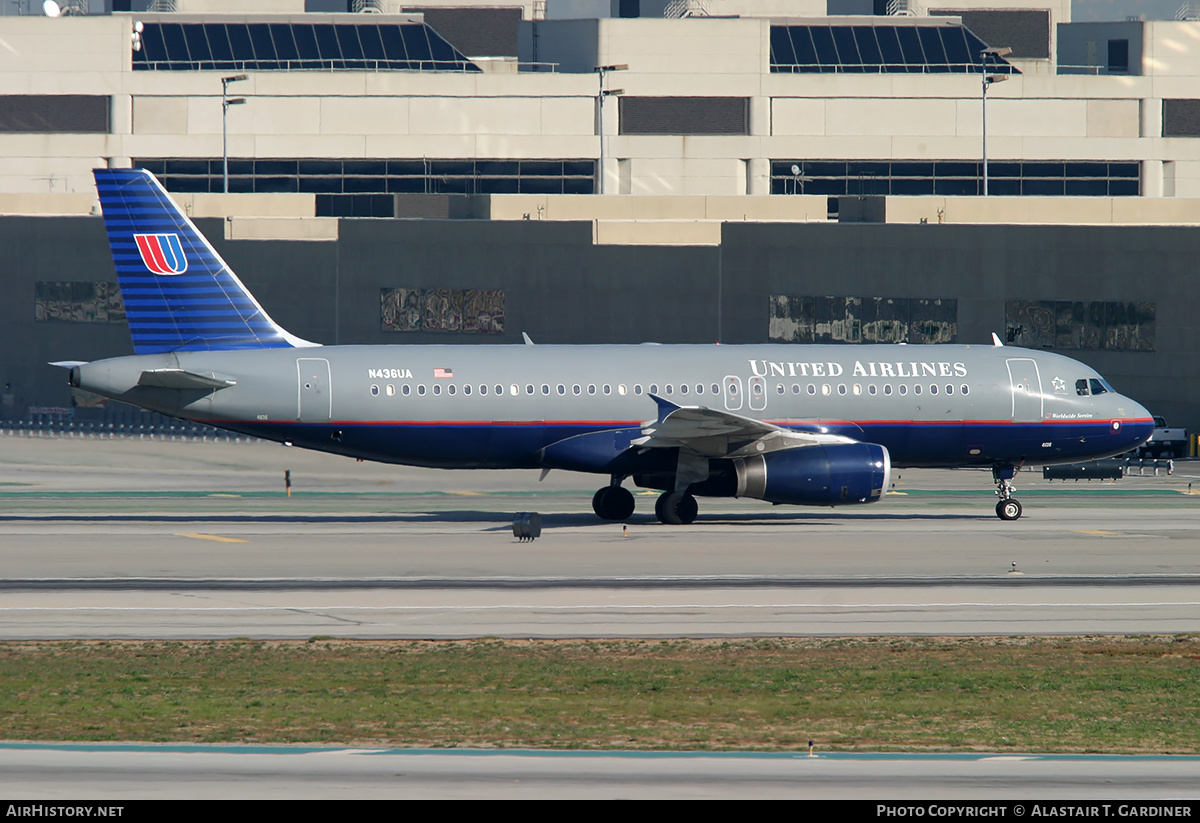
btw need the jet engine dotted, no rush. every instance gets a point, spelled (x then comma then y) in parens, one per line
(834, 474)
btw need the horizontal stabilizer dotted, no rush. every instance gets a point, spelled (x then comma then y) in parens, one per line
(69, 364)
(180, 379)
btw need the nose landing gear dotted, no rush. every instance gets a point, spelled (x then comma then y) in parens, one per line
(1009, 508)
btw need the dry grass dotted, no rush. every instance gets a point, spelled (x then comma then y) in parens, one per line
(1078, 694)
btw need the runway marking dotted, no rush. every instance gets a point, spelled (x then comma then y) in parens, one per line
(1097, 531)
(215, 537)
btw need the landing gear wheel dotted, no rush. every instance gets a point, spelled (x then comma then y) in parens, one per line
(612, 503)
(1008, 509)
(676, 508)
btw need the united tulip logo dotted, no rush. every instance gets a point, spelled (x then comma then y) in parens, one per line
(162, 253)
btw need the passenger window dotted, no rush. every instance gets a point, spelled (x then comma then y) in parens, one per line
(450, 388)
(529, 388)
(812, 389)
(654, 388)
(591, 388)
(437, 388)
(575, 390)
(903, 388)
(621, 389)
(780, 389)
(512, 389)
(716, 389)
(858, 389)
(562, 389)
(421, 390)
(887, 389)
(483, 388)
(545, 388)
(933, 389)
(374, 391)
(391, 390)
(917, 388)
(500, 390)
(466, 388)
(637, 388)
(607, 389)
(964, 389)
(406, 390)
(872, 389)
(949, 389)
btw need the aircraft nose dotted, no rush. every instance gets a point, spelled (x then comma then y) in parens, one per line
(1138, 421)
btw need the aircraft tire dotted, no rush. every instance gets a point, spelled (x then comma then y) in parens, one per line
(613, 503)
(1008, 509)
(676, 508)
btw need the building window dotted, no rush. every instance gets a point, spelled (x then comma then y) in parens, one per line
(367, 188)
(804, 319)
(1080, 324)
(77, 302)
(465, 311)
(841, 178)
(1118, 56)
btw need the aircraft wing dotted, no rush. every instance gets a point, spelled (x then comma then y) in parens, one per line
(713, 433)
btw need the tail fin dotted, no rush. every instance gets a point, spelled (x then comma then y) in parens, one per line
(179, 294)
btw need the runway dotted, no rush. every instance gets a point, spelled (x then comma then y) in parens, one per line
(47, 773)
(138, 539)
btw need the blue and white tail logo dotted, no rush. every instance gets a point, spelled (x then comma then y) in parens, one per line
(179, 294)
(162, 253)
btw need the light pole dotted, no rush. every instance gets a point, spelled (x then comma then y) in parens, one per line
(601, 95)
(226, 102)
(988, 79)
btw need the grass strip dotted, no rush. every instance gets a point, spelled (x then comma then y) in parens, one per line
(1068, 694)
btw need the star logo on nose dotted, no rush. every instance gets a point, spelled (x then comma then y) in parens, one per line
(1060, 385)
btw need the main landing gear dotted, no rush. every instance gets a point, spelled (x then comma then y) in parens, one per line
(616, 503)
(1009, 508)
(676, 508)
(613, 502)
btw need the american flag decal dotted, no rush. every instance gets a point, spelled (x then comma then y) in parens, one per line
(443, 372)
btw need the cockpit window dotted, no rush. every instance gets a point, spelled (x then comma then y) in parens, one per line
(1081, 387)
(1098, 386)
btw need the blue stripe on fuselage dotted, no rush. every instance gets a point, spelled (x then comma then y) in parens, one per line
(516, 445)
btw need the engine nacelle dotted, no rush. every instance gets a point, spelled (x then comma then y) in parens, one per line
(836, 474)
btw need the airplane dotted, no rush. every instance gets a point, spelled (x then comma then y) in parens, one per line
(786, 424)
